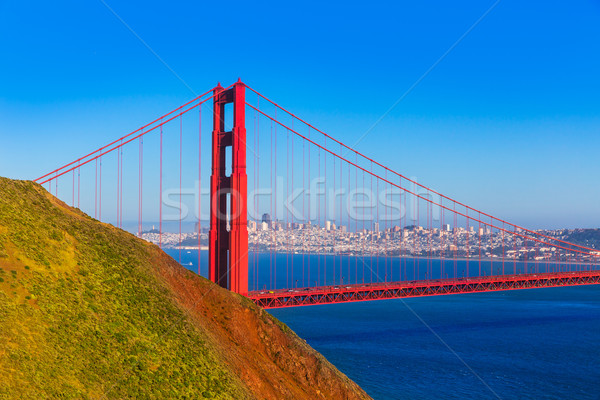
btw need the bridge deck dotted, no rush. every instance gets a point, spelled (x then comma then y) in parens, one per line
(392, 290)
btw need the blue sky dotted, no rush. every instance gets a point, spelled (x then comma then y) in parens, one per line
(508, 121)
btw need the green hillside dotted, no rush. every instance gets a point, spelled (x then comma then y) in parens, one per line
(90, 311)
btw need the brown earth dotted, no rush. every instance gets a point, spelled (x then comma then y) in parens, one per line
(272, 361)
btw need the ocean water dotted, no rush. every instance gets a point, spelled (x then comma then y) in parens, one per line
(527, 344)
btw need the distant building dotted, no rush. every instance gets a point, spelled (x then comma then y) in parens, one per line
(266, 218)
(264, 226)
(447, 227)
(327, 225)
(252, 226)
(376, 227)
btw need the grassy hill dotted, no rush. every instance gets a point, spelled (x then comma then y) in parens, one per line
(90, 311)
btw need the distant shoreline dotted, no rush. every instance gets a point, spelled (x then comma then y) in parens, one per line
(409, 257)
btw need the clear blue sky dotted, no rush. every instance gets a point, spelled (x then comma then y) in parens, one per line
(508, 122)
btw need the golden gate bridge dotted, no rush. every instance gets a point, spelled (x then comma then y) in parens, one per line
(340, 226)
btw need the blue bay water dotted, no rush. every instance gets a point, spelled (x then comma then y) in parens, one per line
(284, 271)
(525, 344)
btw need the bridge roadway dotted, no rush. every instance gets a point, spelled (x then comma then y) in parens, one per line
(393, 290)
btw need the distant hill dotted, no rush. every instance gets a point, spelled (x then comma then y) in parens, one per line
(585, 237)
(193, 241)
(89, 311)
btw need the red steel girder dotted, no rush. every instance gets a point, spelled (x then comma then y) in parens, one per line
(383, 291)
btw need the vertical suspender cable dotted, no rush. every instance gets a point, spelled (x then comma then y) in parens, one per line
(121, 191)
(401, 231)
(287, 210)
(468, 272)
(292, 219)
(378, 230)
(356, 222)
(479, 238)
(455, 229)
(78, 186)
(303, 240)
(256, 186)
(120, 187)
(141, 184)
(96, 192)
(341, 221)
(160, 190)
(180, 177)
(319, 223)
(309, 206)
(334, 223)
(140, 167)
(118, 198)
(100, 189)
(325, 209)
(274, 216)
(270, 228)
(491, 247)
(199, 184)
(363, 239)
(503, 251)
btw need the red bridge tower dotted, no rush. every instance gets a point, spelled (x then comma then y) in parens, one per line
(228, 236)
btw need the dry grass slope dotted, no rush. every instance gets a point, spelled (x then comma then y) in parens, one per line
(90, 311)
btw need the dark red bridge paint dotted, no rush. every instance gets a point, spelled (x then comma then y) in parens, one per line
(228, 249)
(395, 290)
